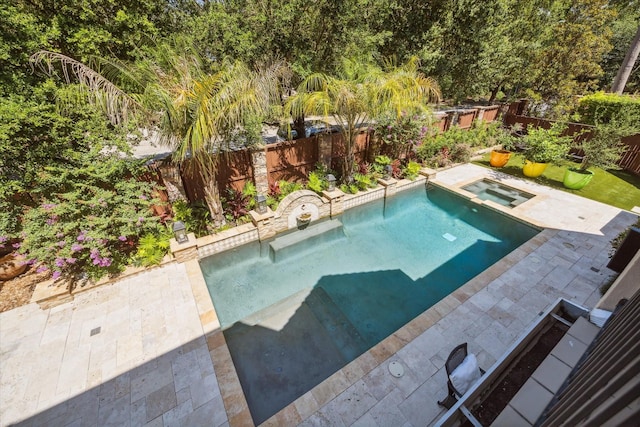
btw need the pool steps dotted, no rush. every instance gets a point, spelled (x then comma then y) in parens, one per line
(348, 340)
(294, 244)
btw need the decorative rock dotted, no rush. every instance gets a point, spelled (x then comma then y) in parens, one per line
(11, 266)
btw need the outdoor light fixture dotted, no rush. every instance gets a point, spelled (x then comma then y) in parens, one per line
(261, 201)
(180, 232)
(332, 182)
(388, 170)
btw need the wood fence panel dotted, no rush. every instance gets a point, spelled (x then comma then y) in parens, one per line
(442, 123)
(192, 181)
(579, 130)
(234, 170)
(630, 160)
(491, 114)
(361, 149)
(466, 118)
(292, 160)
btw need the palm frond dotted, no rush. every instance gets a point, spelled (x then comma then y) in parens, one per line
(116, 103)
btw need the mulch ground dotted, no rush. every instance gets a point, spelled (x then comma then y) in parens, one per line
(17, 291)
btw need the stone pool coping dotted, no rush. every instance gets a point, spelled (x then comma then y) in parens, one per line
(302, 408)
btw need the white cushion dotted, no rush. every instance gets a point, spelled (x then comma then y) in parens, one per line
(466, 374)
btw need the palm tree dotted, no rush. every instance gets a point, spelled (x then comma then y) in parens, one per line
(360, 92)
(196, 111)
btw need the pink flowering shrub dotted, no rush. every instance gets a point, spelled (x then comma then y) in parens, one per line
(91, 224)
(399, 136)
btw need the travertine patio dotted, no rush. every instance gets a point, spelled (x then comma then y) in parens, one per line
(144, 350)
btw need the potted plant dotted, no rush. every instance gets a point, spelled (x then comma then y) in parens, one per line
(602, 150)
(544, 146)
(506, 140)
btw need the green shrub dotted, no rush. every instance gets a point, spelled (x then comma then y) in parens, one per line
(287, 188)
(364, 182)
(615, 117)
(195, 216)
(249, 191)
(460, 153)
(317, 183)
(400, 134)
(152, 247)
(546, 145)
(349, 189)
(437, 150)
(602, 108)
(91, 220)
(430, 149)
(411, 170)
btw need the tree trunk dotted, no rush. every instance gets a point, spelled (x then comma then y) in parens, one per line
(627, 65)
(212, 197)
(298, 125)
(349, 157)
(494, 93)
(170, 174)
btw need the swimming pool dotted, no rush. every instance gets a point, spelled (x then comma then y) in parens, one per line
(294, 313)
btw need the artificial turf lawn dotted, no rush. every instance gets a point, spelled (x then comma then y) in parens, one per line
(614, 187)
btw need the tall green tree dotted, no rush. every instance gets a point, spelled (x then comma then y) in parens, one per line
(310, 35)
(22, 34)
(84, 28)
(198, 112)
(571, 48)
(360, 92)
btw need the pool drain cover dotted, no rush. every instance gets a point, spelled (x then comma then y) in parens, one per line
(396, 369)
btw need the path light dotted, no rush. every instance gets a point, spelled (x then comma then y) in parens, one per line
(388, 170)
(261, 201)
(332, 182)
(180, 232)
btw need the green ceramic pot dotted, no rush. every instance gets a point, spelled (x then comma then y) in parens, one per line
(575, 179)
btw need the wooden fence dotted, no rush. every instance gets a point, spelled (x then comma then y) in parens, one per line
(630, 160)
(293, 160)
(338, 149)
(235, 169)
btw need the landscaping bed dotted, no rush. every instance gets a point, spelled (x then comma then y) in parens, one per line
(518, 374)
(17, 291)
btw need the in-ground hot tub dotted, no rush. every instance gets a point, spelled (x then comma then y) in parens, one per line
(487, 189)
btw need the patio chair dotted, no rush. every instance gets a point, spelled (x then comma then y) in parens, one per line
(455, 359)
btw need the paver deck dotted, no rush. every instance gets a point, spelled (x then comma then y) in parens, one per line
(144, 351)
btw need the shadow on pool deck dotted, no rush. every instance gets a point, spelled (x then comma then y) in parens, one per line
(285, 351)
(178, 387)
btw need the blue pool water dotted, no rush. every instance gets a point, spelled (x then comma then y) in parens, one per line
(294, 316)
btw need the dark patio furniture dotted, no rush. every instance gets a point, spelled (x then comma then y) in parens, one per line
(454, 360)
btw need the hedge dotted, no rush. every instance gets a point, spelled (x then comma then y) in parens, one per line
(601, 108)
